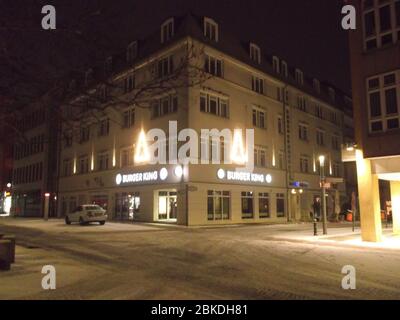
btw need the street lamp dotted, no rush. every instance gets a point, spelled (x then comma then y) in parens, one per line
(321, 159)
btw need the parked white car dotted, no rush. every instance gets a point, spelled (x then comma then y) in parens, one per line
(87, 213)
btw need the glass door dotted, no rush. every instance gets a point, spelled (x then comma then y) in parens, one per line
(167, 205)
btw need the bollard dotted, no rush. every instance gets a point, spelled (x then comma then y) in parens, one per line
(315, 227)
(11, 238)
(5, 250)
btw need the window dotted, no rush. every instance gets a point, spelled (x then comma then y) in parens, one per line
(131, 51)
(102, 161)
(104, 127)
(84, 134)
(263, 205)
(280, 125)
(215, 105)
(280, 205)
(165, 67)
(210, 29)
(318, 111)
(257, 84)
(164, 106)
(84, 164)
(259, 117)
(320, 137)
(247, 205)
(67, 168)
(126, 157)
(335, 142)
(108, 64)
(260, 157)
(317, 85)
(381, 23)
(336, 169)
(218, 205)
(255, 53)
(301, 103)
(383, 101)
(304, 164)
(299, 76)
(128, 118)
(284, 68)
(129, 83)
(67, 139)
(303, 132)
(275, 64)
(167, 30)
(213, 66)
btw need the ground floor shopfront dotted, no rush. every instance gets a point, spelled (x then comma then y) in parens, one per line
(150, 197)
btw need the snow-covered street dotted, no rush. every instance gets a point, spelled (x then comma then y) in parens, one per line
(149, 261)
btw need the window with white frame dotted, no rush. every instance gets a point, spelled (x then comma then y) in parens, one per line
(131, 51)
(284, 68)
(304, 163)
(211, 29)
(317, 85)
(83, 164)
(318, 111)
(164, 105)
(299, 76)
(259, 117)
(84, 133)
(102, 161)
(275, 64)
(263, 205)
(165, 67)
(247, 198)
(128, 117)
(335, 142)
(301, 103)
(381, 22)
(218, 205)
(126, 157)
(384, 101)
(257, 84)
(129, 83)
(167, 30)
(255, 53)
(303, 132)
(320, 135)
(104, 127)
(214, 104)
(213, 66)
(281, 160)
(260, 156)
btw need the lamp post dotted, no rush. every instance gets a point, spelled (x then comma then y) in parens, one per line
(323, 200)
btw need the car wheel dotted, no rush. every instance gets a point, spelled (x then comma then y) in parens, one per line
(67, 221)
(81, 221)
(102, 223)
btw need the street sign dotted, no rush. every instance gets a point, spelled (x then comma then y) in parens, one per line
(334, 180)
(326, 185)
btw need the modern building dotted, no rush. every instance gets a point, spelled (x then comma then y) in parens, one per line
(35, 161)
(193, 73)
(375, 70)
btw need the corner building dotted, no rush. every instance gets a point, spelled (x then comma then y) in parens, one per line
(226, 84)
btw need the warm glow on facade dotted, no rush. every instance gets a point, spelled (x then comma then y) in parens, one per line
(142, 150)
(238, 154)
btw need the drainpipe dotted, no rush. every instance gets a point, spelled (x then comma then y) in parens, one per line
(287, 174)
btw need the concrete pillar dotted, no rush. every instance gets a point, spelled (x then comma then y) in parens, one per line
(395, 195)
(368, 191)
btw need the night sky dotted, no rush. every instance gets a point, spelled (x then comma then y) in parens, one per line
(305, 33)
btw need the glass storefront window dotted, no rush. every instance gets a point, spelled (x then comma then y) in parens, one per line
(126, 205)
(247, 205)
(263, 205)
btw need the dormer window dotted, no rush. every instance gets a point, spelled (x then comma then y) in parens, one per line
(255, 53)
(275, 64)
(88, 77)
(210, 29)
(317, 85)
(167, 30)
(331, 94)
(284, 68)
(131, 51)
(108, 65)
(299, 76)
